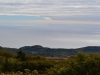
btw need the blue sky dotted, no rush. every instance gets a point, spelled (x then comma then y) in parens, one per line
(16, 17)
(51, 23)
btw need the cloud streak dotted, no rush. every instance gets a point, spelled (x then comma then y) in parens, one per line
(53, 8)
(45, 22)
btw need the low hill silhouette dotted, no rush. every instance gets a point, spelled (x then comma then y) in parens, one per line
(53, 52)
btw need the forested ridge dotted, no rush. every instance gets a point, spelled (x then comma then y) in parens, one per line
(53, 52)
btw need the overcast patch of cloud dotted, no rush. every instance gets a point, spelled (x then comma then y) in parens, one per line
(73, 9)
(62, 36)
(51, 32)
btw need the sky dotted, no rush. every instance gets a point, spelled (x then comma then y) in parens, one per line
(50, 23)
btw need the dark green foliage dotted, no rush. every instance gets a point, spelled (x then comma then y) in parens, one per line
(6, 54)
(7, 66)
(21, 55)
(79, 65)
(22, 61)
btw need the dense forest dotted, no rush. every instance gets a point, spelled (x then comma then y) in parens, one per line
(22, 64)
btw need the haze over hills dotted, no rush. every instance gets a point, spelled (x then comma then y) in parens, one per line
(53, 52)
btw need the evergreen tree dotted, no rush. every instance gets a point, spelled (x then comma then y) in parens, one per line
(21, 55)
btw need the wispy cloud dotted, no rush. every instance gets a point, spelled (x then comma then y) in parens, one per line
(45, 22)
(53, 8)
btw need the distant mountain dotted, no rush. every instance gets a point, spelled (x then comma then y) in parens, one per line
(45, 51)
(53, 52)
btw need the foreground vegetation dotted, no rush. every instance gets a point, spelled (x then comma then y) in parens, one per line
(20, 64)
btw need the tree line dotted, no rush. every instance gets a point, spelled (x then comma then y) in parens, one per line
(21, 64)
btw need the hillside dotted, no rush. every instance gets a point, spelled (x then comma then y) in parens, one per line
(53, 52)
